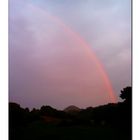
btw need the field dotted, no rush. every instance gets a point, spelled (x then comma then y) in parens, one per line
(41, 131)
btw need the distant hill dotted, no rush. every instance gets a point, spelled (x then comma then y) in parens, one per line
(72, 109)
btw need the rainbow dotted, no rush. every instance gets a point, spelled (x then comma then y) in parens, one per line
(88, 50)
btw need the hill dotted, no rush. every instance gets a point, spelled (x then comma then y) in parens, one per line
(72, 109)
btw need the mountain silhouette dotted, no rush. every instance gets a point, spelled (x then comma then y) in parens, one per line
(72, 109)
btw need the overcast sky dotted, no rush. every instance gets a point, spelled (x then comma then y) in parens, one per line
(47, 63)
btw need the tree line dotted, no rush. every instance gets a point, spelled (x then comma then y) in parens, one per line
(111, 114)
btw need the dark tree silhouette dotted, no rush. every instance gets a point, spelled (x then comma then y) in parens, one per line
(126, 94)
(126, 110)
(48, 110)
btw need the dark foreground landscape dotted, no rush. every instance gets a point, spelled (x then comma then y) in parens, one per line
(107, 122)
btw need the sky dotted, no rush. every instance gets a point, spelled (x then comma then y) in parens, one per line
(68, 52)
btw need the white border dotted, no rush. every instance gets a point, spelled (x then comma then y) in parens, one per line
(3, 70)
(136, 69)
